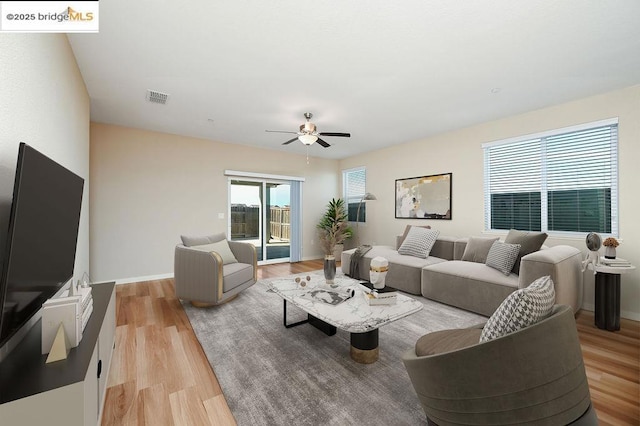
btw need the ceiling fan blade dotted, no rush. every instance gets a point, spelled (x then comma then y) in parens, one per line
(344, 135)
(290, 140)
(323, 143)
(280, 131)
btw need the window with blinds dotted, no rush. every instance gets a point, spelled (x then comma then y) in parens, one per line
(354, 187)
(560, 181)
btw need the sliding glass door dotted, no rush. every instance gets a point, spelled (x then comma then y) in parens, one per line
(260, 213)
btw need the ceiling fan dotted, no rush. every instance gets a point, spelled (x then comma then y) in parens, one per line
(308, 133)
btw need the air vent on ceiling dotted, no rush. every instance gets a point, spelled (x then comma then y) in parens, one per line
(157, 97)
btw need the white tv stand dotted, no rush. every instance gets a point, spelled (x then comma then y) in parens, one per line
(71, 391)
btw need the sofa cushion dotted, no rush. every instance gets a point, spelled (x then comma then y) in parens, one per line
(521, 309)
(214, 238)
(446, 341)
(468, 285)
(236, 274)
(406, 232)
(477, 249)
(190, 241)
(529, 242)
(419, 242)
(222, 248)
(502, 256)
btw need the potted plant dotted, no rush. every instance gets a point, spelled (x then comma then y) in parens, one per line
(610, 245)
(333, 229)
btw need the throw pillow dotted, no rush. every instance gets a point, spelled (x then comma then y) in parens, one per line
(502, 256)
(222, 248)
(477, 249)
(529, 242)
(521, 309)
(406, 232)
(419, 242)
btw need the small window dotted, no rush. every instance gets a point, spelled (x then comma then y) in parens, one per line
(564, 181)
(354, 188)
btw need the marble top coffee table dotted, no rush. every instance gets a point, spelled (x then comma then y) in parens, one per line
(353, 315)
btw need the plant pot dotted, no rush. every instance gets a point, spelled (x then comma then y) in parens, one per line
(609, 252)
(330, 269)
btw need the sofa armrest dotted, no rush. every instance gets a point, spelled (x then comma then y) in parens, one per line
(563, 264)
(245, 253)
(197, 274)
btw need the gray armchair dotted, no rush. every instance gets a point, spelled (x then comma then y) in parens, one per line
(533, 376)
(202, 277)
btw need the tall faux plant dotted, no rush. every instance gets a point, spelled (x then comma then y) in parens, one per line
(334, 228)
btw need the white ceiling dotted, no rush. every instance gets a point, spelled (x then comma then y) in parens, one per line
(388, 72)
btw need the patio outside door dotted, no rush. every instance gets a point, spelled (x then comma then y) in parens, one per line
(260, 214)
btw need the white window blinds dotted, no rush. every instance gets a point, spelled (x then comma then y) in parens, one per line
(354, 188)
(563, 181)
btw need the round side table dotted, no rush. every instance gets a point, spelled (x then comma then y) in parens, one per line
(607, 314)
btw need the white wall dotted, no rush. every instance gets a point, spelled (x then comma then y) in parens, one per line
(460, 152)
(43, 102)
(148, 188)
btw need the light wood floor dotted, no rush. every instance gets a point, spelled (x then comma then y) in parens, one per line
(160, 375)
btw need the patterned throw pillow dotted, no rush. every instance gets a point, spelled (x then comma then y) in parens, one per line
(406, 232)
(502, 256)
(521, 309)
(419, 242)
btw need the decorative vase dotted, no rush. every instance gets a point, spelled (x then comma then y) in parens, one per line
(378, 271)
(330, 269)
(609, 252)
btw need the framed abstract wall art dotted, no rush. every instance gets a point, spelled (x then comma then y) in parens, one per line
(426, 197)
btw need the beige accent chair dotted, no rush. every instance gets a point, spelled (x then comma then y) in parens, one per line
(201, 276)
(534, 376)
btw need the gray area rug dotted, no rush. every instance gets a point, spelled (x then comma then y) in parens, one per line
(271, 375)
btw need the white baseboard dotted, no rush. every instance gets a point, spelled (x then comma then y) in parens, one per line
(144, 278)
(316, 257)
(634, 316)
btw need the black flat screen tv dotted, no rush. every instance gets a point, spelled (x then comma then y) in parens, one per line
(42, 237)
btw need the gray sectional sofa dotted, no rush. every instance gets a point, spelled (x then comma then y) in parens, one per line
(472, 285)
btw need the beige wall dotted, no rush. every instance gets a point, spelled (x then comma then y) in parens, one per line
(43, 102)
(460, 152)
(148, 188)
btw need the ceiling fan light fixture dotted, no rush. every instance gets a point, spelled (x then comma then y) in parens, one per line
(307, 127)
(308, 139)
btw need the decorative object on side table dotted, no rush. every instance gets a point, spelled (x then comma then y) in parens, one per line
(610, 245)
(593, 242)
(333, 229)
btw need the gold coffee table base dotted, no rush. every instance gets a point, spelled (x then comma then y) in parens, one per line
(364, 347)
(197, 304)
(364, 356)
